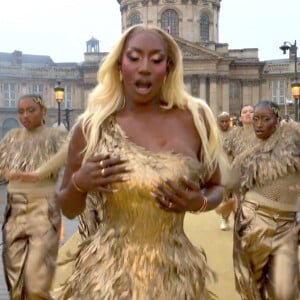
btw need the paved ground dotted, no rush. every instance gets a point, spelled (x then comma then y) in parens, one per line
(203, 230)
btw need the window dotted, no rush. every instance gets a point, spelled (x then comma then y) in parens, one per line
(38, 89)
(204, 28)
(67, 102)
(235, 102)
(278, 91)
(134, 20)
(170, 22)
(9, 95)
(234, 90)
(8, 124)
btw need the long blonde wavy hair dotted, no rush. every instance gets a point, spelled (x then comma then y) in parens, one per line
(108, 97)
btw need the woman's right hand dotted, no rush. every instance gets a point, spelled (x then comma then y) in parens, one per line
(100, 172)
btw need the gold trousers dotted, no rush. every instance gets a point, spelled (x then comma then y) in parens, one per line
(265, 253)
(30, 244)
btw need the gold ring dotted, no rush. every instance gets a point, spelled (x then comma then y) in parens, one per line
(170, 204)
(101, 164)
(103, 172)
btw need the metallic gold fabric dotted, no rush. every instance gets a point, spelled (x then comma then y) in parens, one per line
(138, 250)
(266, 234)
(265, 237)
(32, 220)
(30, 236)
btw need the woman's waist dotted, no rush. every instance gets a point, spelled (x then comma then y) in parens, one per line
(260, 200)
(153, 234)
(32, 188)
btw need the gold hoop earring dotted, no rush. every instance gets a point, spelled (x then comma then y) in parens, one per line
(121, 76)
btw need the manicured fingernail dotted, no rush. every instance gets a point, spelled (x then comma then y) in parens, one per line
(153, 194)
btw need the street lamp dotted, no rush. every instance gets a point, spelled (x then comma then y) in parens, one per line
(59, 97)
(295, 85)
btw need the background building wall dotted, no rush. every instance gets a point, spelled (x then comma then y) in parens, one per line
(225, 78)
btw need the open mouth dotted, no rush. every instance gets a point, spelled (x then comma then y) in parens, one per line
(143, 87)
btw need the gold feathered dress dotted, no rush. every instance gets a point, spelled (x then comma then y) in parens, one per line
(32, 218)
(265, 235)
(138, 250)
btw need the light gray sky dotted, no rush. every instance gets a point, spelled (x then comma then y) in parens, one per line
(60, 28)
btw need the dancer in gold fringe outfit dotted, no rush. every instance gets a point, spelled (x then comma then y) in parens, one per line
(144, 152)
(88, 221)
(265, 236)
(235, 142)
(32, 218)
(240, 137)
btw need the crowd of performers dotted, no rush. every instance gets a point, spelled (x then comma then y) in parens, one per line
(143, 154)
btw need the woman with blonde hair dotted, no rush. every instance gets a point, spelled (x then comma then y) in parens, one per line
(146, 152)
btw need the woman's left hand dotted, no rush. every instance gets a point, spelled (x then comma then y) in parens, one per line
(171, 196)
(295, 188)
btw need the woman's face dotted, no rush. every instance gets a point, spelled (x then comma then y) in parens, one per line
(143, 66)
(246, 114)
(264, 122)
(30, 113)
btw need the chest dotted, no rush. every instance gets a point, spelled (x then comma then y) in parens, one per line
(163, 135)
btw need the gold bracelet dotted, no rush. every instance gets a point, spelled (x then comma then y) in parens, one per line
(203, 206)
(77, 188)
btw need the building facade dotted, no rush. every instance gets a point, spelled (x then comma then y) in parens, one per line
(225, 78)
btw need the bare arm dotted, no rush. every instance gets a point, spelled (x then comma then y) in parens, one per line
(97, 174)
(72, 201)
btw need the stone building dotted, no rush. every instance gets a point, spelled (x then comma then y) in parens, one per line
(225, 78)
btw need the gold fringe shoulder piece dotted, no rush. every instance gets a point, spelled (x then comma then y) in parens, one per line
(270, 159)
(23, 150)
(237, 140)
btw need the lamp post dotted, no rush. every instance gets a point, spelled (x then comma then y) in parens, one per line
(295, 85)
(59, 97)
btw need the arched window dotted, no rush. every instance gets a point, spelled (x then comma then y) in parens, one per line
(9, 124)
(134, 20)
(204, 28)
(170, 22)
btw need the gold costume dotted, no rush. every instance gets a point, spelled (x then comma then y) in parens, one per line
(138, 250)
(238, 140)
(265, 236)
(234, 142)
(32, 218)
